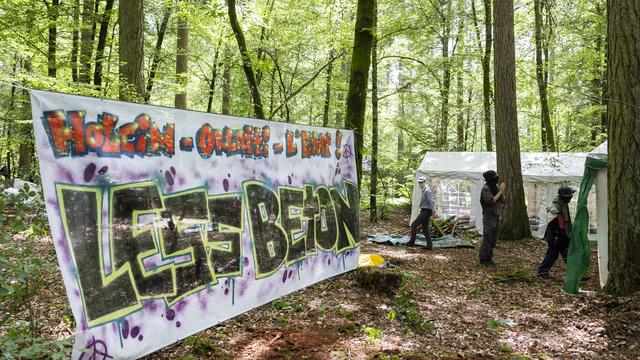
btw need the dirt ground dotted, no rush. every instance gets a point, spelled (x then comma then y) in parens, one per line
(470, 312)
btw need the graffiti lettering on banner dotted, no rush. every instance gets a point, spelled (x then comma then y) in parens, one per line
(167, 222)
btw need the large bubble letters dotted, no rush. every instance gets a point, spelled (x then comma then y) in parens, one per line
(169, 246)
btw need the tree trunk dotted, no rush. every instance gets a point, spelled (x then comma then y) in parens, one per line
(446, 77)
(548, 143)
(373, 191)
(182, 57)
(26, 148)
(359, 76)
(339, 115)
(400, 115)
(246, 60)
(515, 222)
(327, 92)
(131, 38)
(155, 61)
(75, 41)
(263, 36)
(460, 125)
(226, 81)
(53, 13)
(102, 41)
(624, 146)
(486, 75)
(214, 74)
(86, 44)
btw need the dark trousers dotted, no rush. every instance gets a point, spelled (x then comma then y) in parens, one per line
(423, 220)
(556, 246)
(489, 238)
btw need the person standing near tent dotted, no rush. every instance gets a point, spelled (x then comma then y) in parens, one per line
(491, 199)
(558, 233)
(427, 206)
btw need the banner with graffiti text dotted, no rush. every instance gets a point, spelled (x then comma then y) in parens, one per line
(167, 222)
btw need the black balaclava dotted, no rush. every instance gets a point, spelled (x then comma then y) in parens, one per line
(491, 177)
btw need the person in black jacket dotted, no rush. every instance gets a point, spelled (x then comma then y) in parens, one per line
(558, 233)
(492, 201)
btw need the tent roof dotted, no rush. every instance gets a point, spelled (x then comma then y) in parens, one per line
(602, 149)
(536, 167)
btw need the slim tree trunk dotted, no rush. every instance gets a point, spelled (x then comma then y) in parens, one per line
(515, 222)
(263, 37)
(182, 57)
(226, 81)
(246, 60)
(359, 76)
(26, 148)
(53, 12)
(548, 143)
(339, 115)
(86, 37)
(155, 60)
(446, 77)
(400, 115)
(102, 41)
(373, 191)
(131, 38)
(486, 74)
(214, 74)
(460, 128)
(75, 40)
(624, 146)
(327, 92)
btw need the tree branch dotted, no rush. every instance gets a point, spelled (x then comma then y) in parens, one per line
(315, 75)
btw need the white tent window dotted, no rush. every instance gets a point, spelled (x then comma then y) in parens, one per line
(453, 198)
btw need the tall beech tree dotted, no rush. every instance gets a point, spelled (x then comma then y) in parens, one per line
(373, 190)
(542, 75)
(53, 12)
(515, 222)
(156, 56)
(102, 41)
(182, 56)
(86, 40)
(359, 76)
(247, 66)
(131, 49)
(624, 146)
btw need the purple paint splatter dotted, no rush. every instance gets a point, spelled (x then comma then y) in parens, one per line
(228, 175)
(171, 314)
(246, 261)
(168, 177)
(289, 179)
(173, 170)
(226, 291)
(140, 338)
(225, 184)
(135, 331)
(284, 276)
(103, 170)
(89, 171)
(178, 324)
(125, 329)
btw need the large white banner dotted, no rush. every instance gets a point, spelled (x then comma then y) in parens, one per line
(167, 221)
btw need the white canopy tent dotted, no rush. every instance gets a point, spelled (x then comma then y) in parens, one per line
(456, 180)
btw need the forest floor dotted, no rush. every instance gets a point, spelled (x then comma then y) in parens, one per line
(448, 307)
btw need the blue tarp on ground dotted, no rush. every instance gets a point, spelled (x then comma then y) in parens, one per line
(447, 241)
